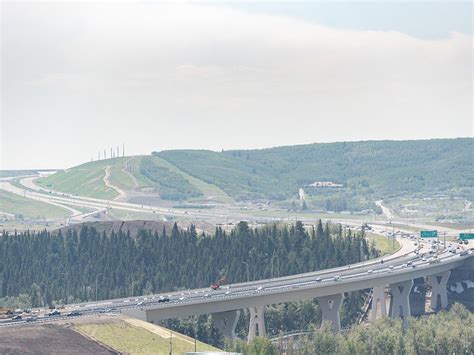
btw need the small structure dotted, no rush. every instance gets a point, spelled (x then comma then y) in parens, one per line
(325, 184)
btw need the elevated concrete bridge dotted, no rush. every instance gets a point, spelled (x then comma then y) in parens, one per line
(327, 286)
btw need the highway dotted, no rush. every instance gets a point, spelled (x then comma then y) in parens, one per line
(65, 200)
(230, 297)
(70, 202)
(407, 265)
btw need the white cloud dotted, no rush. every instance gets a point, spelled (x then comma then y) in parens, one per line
(215, 77)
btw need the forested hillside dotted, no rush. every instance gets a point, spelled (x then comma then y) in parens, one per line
(45, 264)
(376, 168)
(43, 268)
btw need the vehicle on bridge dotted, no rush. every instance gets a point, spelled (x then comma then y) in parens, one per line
(216, 285)
(54, 312)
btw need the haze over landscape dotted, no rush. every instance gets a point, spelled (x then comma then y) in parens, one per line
(237, 76)
(250, 177)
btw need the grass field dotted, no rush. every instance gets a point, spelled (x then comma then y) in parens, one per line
(87, 179)
(301, 214)
(385, 245)
(138, 337)
(15, 204)
(129, 215)
(207, 189)
(120, 178)
(84, 180)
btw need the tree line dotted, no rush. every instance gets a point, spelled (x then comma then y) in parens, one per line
(448, 332)
(45, 268)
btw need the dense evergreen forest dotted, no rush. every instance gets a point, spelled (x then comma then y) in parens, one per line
(372, 168)
(44, 268)
(50, 265)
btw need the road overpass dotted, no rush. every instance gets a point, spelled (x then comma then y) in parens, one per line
(328, 286)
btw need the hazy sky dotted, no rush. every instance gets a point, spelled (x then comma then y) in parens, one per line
(79, 77)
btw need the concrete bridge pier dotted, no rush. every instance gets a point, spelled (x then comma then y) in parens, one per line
(400, 301)
(330, 306)
(257, 322)
(226, 323)
(439, 293)
(378, 303)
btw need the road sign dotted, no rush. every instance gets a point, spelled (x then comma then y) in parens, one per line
(429, 234)
(464, 236)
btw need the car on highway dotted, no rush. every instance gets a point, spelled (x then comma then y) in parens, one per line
(31, 319)
(227, 292)
(163, 300)
(259, 289)
(318, 279)
(337, 278)
(390, 267)
(182, 298)
(73, 314)
(54, 312)
(139, 303)
(370, 271)
(16, 317)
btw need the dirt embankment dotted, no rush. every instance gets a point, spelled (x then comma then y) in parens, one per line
(48, 339)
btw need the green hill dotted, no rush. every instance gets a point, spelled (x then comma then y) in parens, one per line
(377, 168)
(365, 170)
(110, 178)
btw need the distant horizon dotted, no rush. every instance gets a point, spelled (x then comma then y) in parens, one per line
(239, 149)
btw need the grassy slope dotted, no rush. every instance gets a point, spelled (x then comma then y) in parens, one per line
(120, 178)
(84, 180)
(15, 204)
(372, 167)
(207, 189)
(383, 244)
(132, 339)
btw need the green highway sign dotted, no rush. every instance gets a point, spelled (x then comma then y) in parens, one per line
(429, 234)
(464, 236)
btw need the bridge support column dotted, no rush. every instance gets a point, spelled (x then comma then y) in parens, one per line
(257, 322)
(330, 306)
(226, 323)
(378, 303)
(400, 301)
(439, 293)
